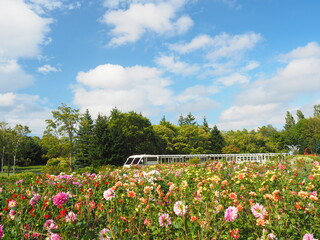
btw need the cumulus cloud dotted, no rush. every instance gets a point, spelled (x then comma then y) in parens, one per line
(22, 31)
(269, 97)
(232, 79)
(7, 99)
(136, 88)
(12, 77)
(47, 69)
(25, 109)
(132, 23)
(44, 6)
(170, 64)
(220, 46)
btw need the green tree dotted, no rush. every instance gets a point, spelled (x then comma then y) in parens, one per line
(131, 133)
(316, 110)
(217, 140)
(188, 120)
(289, 121)
(64, 123)
(165, 135)
(300, 115)
(100, 152)
(84, 141)
(4, 129)
(18, 134)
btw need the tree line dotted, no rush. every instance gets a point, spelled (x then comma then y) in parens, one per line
(83, 141)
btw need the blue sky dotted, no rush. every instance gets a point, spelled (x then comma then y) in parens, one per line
(242, 64)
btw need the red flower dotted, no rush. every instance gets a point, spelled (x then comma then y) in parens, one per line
(46, 216)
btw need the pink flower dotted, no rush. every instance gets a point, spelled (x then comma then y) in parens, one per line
(308, 236)
(104, 234)
(179, 208)
(164, 220)
(60, 198)
(55, 236)
(271, 236)
(258, 211)
(231, 214)
(12, 204)
(71, 217)
(12, 213)
(50, 224)
(1, 231)
(109, 194)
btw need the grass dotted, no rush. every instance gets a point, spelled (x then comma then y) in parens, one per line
(34, 169)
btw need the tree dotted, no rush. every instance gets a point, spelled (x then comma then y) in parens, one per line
(64, 123)
(84, 140)
(18, 133)
(100, 152)
(188, 120)
(3, 141)
(217, 140)
(300, 115)
(289, 121)
(316, 110)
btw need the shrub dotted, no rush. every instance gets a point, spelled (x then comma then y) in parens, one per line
(55, 166)
(194, 161)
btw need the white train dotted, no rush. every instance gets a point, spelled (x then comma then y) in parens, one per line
(146, 159)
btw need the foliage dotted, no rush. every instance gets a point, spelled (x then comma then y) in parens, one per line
(56, 166)
(194, 161)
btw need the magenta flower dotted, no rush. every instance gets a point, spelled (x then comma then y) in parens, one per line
(60, 198)
(231, 214)
(104, 234)
(164, 220)
(308, 236)
(1, 231)
(179, 208)
(109, 194)
(258, 211)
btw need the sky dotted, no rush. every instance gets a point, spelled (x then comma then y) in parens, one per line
(240, 64)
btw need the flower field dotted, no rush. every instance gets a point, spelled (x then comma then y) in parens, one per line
(219, 200)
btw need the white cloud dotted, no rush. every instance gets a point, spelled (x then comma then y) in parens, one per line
(12, 77)
(47, 69)
(311, 50)
(265, 99)
(44, 6)
(22, 31)
(199, 42)
(220, 46)
(129, 88)
(250, 66)
(7, 99)
(247, 116)
(170, 64)
(232, 79)
(26, 110)
(232, 3)
(131, 24)
(197, 92)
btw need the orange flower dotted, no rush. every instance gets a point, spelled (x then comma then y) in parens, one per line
(118, 184)
(241, 176)
(298, 205)
(261, 222)
(239, 207)
(224, 182)
(219, 208)
(131, 194)
(233, 196)
(275, 195)
(252, 194)
(143, 200)
(313, 198)
(303, 194)
(193, 218)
